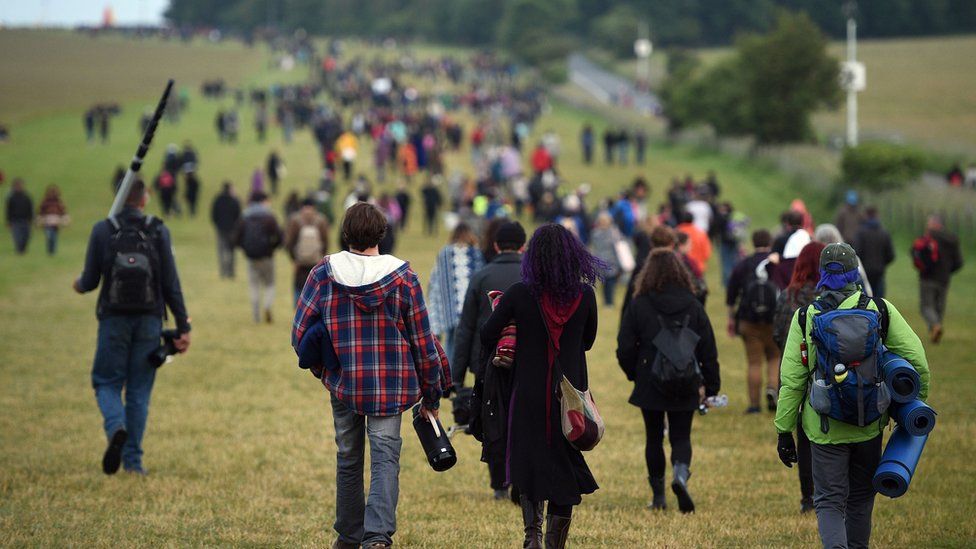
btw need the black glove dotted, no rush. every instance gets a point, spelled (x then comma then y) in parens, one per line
(787, 449)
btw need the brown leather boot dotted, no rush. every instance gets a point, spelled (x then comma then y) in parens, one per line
(557, 530)
(532, 517)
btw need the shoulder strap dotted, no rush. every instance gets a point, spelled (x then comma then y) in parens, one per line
(801, 317)
(882, 306)
(114, 222)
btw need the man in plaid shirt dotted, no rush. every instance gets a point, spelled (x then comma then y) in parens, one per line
(361, 325)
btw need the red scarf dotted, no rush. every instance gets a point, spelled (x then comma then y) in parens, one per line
(555, 317)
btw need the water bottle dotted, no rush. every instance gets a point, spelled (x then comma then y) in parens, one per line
(717, 401)
(434, 439)
(840, 373)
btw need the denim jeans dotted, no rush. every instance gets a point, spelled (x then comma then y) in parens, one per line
(609, 287)
(124, 343)
(730, 256)
(21, 231)
(358, 519)
(51, 235)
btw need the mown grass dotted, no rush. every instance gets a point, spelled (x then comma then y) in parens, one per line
(239, 444)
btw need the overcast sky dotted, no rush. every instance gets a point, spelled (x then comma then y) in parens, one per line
(77, 12)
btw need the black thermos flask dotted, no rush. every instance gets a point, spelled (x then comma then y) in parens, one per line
(433, 438)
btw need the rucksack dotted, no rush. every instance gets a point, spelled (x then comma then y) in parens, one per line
(133, 278)
(759, 298)
(925, 253)
(166, 180)
(852, 339)
(308, 247)
(256, 240)
(675, 370)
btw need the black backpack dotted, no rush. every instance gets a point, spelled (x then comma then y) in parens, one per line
(759, 299)
(675, 370)
(257, 240)
(133, 276)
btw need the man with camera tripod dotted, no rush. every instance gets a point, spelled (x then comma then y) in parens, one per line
(131, 254)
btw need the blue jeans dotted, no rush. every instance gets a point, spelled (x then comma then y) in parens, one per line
(359, 520)
(730, 256)
(609, 286)
(21, 231)
(124, 343)
(51, 234)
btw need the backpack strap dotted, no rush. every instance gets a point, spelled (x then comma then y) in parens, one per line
(882, 306)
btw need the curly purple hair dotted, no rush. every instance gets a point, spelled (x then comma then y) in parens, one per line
(558, 265)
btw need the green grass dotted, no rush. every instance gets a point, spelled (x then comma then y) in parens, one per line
(239, 443)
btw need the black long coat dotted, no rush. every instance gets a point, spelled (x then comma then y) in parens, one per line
(543, 470)
(635, 353)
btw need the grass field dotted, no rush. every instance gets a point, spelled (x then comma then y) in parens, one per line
(239, 443)
(918, 89)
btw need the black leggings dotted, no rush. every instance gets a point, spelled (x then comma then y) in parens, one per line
(679, 434)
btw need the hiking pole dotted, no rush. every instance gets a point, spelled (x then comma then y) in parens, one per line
(130, 174)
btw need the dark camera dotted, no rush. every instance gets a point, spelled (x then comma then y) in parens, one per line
(166, 349)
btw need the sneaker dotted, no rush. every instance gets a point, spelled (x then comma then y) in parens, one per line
(806, 505)
(771, 396)
(753, 410)
(113, 454)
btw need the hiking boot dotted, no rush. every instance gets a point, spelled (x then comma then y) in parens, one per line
(660, 501)
(339, 544)
(113, 454)
(753, 410)
(771, 396)
(532, 518)
(806, 505)
(936, 333)
(680, 487)
(557, 530)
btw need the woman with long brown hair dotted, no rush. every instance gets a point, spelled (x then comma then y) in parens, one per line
(667, 348)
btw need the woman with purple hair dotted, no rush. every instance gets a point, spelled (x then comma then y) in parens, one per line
(555, 310)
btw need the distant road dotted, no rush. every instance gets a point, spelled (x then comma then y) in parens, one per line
(608, 87)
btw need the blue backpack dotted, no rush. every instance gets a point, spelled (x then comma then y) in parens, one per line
(848, 382)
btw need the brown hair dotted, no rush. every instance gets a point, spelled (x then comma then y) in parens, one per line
(363, 227)
(662, 237)
(462, 234)
(137, 192)
(662, 269)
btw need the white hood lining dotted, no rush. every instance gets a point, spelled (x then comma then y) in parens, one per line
(354, 270)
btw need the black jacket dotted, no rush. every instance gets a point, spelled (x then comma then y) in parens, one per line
(636, 353)
(19, 207)
(950, 258)
(225, 213)
(503, 271)
(873, 246)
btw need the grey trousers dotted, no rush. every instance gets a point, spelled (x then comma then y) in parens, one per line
(843, 493)
(261, 279)
(225, 254)
(358, 519)
(932, 299)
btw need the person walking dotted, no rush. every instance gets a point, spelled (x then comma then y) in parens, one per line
(701, 246)
(844, 455)
(849, 216)
(554, 309)
(192, 191)
(348, 148)
(340, 312)
(131, 306)
(497, 276)
(52, 215)
(936, 256)
(432, 199)
(449, 279)
(226, 214)
(666, 325)
(801, 292)
(20, 215)
(307, 240)
(751, 299)
(259, 234)
(587, 141)
(603, 243)
(275, 168)
(873, 246)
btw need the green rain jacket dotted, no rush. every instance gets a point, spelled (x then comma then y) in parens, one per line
(794, 377)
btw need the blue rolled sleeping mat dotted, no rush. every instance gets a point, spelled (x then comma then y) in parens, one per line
(915, 417)
(898, 463)
(900, 377)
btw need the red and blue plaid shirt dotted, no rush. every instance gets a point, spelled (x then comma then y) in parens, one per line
(387, 357)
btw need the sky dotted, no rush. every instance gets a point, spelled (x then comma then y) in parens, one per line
(79, 12)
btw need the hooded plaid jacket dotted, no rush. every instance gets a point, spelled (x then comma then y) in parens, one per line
(385, 356)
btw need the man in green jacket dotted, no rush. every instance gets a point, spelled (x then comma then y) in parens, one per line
(846, 456)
